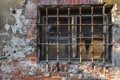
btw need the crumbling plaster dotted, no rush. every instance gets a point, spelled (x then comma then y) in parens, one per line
(5, 6)
(13, 36)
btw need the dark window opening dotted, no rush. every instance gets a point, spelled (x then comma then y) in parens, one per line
(82, 33)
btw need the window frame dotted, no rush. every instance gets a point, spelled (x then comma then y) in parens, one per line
(105, 16)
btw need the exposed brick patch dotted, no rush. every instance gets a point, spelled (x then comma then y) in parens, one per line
(74, 79)
(39, 74)
(47, 79)
(18, 72)
(109, 76)
(29, 78)
(29, 35)
(53, 74)
(17, 78)
(63, 74)
(32, 55)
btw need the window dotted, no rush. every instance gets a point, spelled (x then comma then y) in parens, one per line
(74, 33)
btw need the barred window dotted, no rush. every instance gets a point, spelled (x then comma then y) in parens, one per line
(74, 33)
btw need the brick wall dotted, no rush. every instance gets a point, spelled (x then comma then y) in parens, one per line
(21, 62)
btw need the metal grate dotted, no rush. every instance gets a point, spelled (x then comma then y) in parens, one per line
(74, 33)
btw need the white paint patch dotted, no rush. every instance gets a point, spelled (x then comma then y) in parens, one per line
(16, 47)
(7, 26)
(5, 68)
(19, 22)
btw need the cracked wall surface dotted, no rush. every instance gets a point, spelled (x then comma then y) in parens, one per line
(14, 42)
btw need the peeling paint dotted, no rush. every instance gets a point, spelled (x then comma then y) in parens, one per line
(19, 24)
(5, 68)
(7, 26)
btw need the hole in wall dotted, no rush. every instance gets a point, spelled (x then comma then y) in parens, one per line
(14, 12)
(14, 51)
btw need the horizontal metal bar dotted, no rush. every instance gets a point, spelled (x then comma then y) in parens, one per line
(63, 25)
(73, 5)
(72, 37)
(80, 44)
(82, 15)
(77, 59)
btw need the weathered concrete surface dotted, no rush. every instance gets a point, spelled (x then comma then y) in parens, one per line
(8, 7)
(5, 6)
(14, 42)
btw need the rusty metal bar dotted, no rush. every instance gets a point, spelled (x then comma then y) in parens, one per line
(80, 35)
(46, 34)
(107, 37)
(71, 44)
(72, 24)
(85, 15)
(104, 34)
(69, 35)
(38, 36)
(92, 30)
(57, 35)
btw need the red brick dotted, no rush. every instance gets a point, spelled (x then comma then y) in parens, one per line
(53, 67)
(61, 66)
(57, 78)
(29, 35)
(63, 74)
(54, 2)
(75, 79)
(15, 63)
(0, 63)
(84, 1)
(33, 59)
(109, 75)
(39, 73)
(61, 2)
(54, 74)
(47, 78)
(70, 1)
(28, 16)
(16, 72)
(101, 70)
(1, 74)
(17, 78)
(39, 78)
(88, 68)
(28, 78)
(78, 1)
(33, 55)
(75, 1)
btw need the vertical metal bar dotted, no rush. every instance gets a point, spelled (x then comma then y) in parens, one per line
(57, 35)
(80, 35)
(107, 36)
(104, 33)
(69, 35)
(38, 35)
(92, 29)
(74, 37)
(46, 34)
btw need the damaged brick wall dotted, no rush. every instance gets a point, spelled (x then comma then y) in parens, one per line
(20, 59)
